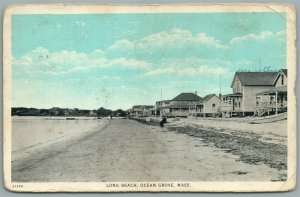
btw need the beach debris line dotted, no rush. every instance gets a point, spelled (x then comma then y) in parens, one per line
(249, 149)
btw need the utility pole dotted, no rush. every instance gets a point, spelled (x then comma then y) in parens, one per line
(220, 85)
(220, 95)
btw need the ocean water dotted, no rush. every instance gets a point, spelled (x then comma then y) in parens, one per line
(30, 131)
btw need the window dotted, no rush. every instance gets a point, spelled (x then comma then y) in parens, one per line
(282, 80)
(213, 106)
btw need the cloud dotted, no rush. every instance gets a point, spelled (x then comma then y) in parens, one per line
(196, 66)
(122, 44)
(178, 51)
(179, 37)
(258, 37)
(131, 63)
(182, 43)
(187, 71)
(80, 23)
(176, 42)
(65, 62)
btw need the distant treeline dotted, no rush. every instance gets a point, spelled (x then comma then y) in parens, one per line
(56, 111)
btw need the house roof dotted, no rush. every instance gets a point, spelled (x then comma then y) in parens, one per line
(233, 95)
(164, 101)
(281, 71)
(208, 96)
(255, 78)
(187, 97)
(274, 90)
(142, 106)
(176, 107)
(284, 72)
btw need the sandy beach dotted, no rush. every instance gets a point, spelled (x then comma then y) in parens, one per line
(126, 150)
(30, 134)
(263, 143)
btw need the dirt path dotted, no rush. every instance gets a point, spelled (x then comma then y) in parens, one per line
(126, 150)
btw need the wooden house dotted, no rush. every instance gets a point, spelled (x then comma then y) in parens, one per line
(208, 106)
(142, 110)
(180, 105)
(273, 100)
(160, 107)
(211, 105)
(245, 87)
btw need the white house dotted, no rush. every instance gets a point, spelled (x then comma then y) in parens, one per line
(273, 100)
(208, 106)
(180, 105)
(245, 87)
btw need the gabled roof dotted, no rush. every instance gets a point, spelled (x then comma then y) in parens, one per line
(281, 71)
(284, 71)
(208, 96)
(187, 97)
(255, 78)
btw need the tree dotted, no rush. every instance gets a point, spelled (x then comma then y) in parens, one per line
(103, 112)
(120, 113)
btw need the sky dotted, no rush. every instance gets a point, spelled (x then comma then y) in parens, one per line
(89, 61)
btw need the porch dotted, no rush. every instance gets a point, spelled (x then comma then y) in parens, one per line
(231, 105)
(273, 101)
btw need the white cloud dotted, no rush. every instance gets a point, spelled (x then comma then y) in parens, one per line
(187, 71)
(132, 63)
(80, 23)
(258, 37)
(178, 38)
(196, 66)
(65, 62)
(122, 44)
(178, 50)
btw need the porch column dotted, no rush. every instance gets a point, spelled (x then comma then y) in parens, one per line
(276, 93)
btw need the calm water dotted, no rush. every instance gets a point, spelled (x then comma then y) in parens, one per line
(29, 131)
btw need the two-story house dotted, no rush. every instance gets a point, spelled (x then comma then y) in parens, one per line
(142, 110)
(273, 100)
(160, 109)
(245, 86)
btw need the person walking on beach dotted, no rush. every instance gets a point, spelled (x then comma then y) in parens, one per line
(164, 120)
(110, 116)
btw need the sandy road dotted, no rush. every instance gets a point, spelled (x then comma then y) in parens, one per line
(126, 150)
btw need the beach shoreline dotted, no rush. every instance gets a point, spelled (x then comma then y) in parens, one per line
(60, 138)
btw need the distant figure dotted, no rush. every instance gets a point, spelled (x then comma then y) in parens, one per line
(110, 116)
(164, 120)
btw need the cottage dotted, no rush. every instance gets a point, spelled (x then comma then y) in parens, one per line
(245, 86)
(160, 109)
(142, 110)
(208, 106)
(273, 100)
(211, 105)
(180, 105)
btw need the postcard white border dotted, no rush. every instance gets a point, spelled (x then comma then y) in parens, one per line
(150, 8)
